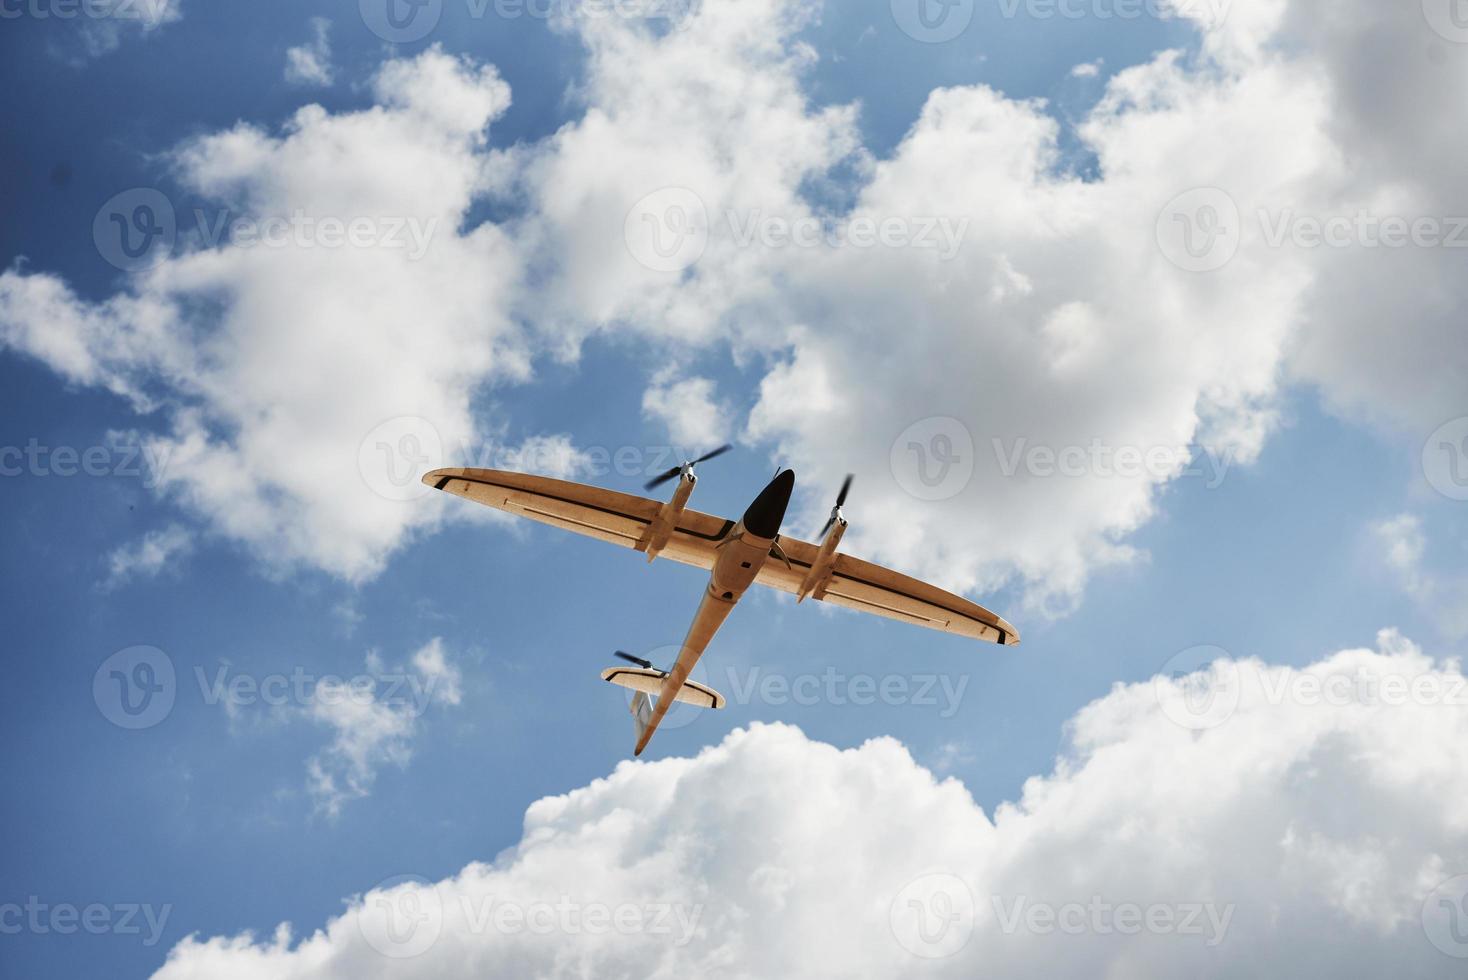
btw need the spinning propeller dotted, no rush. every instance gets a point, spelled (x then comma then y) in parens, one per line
(664, 477)
(645, 664)
(840, 499)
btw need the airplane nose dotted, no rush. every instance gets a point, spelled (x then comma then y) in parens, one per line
(764, 516)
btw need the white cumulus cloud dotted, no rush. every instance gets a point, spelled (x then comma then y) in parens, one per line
(310, 63)
(1153, 850)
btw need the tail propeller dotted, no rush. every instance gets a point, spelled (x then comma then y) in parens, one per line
(840, 499)
(667, 475)
(646, 664)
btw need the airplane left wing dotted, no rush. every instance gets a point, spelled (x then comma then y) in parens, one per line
(608, 515)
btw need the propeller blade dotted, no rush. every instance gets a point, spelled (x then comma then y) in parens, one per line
(845, 489)
(712, 453)
(662, 478)
(826, 528)
(647, 664)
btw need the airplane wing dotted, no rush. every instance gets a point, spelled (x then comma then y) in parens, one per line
(876, 589)
(620, 518)
(604, 514)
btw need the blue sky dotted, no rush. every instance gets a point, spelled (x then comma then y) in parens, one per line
(209, 813)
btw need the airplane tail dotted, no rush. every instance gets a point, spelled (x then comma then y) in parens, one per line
(641, 716)
(645, 683)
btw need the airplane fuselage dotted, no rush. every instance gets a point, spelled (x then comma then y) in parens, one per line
(742, 553)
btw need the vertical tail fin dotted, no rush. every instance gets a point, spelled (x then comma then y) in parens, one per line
(641, 715)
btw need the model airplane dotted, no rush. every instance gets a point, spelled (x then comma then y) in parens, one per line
(738, 554)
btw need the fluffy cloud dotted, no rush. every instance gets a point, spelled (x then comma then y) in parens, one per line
(1401, 542)
(104, 25)
(1159, 848)
(688, 408)
(349, 295)
(149, 555)
(373, 720)
(1016, 355)
(310, 63)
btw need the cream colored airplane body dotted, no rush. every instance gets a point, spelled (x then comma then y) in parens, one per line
(738, 554)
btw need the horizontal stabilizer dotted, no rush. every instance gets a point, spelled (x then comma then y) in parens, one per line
(651, 681)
